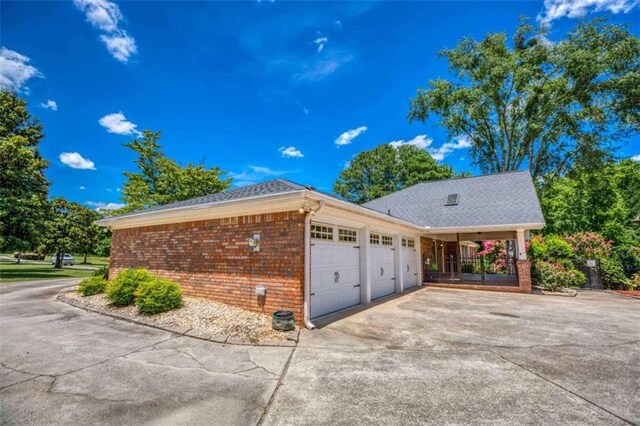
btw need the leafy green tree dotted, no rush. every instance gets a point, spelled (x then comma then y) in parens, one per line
(386, 169)
(160, 180)
(59, 232)
(536, 103)
(23, 186)
(84, 232)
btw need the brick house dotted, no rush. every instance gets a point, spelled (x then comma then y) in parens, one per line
(315, 254)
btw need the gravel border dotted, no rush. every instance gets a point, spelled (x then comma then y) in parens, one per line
(292, 337)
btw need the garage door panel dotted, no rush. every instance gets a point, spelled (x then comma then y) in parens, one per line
(335, 277)
(382, 271)
(409, 268)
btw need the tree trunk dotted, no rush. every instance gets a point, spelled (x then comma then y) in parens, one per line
(58, 264)
(18, 258)
(85, 259)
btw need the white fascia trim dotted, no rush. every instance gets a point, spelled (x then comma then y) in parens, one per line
(485, 228)
(167, 212)
(362, 210)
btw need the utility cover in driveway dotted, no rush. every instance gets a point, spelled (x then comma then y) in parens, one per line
(335, 277)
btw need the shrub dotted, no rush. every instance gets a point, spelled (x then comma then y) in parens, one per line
(629, 256)
(158, 295)
(553, 276)
(91, 286)
(121, 290)
(590, 245)
(29, 256)
(612, 273)
(102, 272)
(634, 283)
(558, 248)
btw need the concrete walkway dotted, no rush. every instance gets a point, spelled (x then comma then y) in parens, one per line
(62, 365)
(440, 356)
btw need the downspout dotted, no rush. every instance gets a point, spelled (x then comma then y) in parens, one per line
(307, 264)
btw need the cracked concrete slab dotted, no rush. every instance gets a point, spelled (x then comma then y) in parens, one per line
(63, 365)
(452, 356)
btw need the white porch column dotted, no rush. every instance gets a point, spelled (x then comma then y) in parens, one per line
(397, 254)
(365, 270)
(522, 251)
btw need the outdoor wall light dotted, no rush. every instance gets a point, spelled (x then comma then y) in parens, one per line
(261, 290)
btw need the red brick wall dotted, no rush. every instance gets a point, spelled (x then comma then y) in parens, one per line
(212, 259)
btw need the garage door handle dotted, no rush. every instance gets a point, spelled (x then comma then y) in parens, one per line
(312, 294)
(381, 271)
(335, 277)
(357, 285)
(407, 268)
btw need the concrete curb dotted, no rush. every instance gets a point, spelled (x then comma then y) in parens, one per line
(292, 337)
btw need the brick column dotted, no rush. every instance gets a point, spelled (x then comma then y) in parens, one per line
(523, 267)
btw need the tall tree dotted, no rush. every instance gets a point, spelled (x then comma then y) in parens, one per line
(536, 103)
(160, 180)
(85, 233)
(23, 186)
(59, 233)
(386, 169)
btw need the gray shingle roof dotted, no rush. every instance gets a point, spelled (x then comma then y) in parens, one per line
(496, 199)
(276, 186)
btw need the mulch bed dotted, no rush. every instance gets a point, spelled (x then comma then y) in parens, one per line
(200, 315)
(629, 293)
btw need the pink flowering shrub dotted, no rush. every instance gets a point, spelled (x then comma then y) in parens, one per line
(590, 245)
(553, 276)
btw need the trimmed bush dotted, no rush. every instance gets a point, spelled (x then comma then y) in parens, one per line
(634, 283)
(158, 295)
(554, 276)
(121, 290)
(91, 286)
(612, 273)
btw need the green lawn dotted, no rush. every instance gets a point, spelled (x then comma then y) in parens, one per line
(10, 272)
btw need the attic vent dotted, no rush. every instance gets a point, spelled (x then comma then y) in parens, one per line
(452, 199)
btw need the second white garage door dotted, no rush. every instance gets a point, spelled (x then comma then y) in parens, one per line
(409, 263)
(335, 269)
(382, 266)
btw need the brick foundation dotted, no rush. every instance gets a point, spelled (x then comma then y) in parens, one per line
(212, 259)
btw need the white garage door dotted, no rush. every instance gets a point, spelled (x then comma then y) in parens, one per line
(335, 269)
(382, 266)
(409, 263)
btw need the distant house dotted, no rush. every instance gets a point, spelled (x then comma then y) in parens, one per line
(315, 254)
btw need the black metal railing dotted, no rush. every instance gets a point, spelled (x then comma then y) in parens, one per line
(490, 270)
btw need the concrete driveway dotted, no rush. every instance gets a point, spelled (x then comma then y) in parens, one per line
(434, 356)
(62, 365)
(440, 356)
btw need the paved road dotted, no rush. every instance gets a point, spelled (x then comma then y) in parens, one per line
(431, 357)
(440, 356)
(62, 365)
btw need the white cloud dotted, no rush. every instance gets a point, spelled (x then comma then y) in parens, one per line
(421, 141)
(52, 105)
(101, 205)
(254, 174)
(439, 153)
(290, 152)
(76, 161)
(306, 111)
(321, 41)
(338, 25)
(636, 157)
(106, 17)
(317, 70)
(117, 123)
(15, 70)
(121, 45)
(556, 9)
(82, 188)
(347, 137)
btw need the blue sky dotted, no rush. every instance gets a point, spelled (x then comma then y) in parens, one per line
(259, 89)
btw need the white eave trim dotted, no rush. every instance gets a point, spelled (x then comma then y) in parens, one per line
(330, 200)
(485, 228)
(176, 212)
